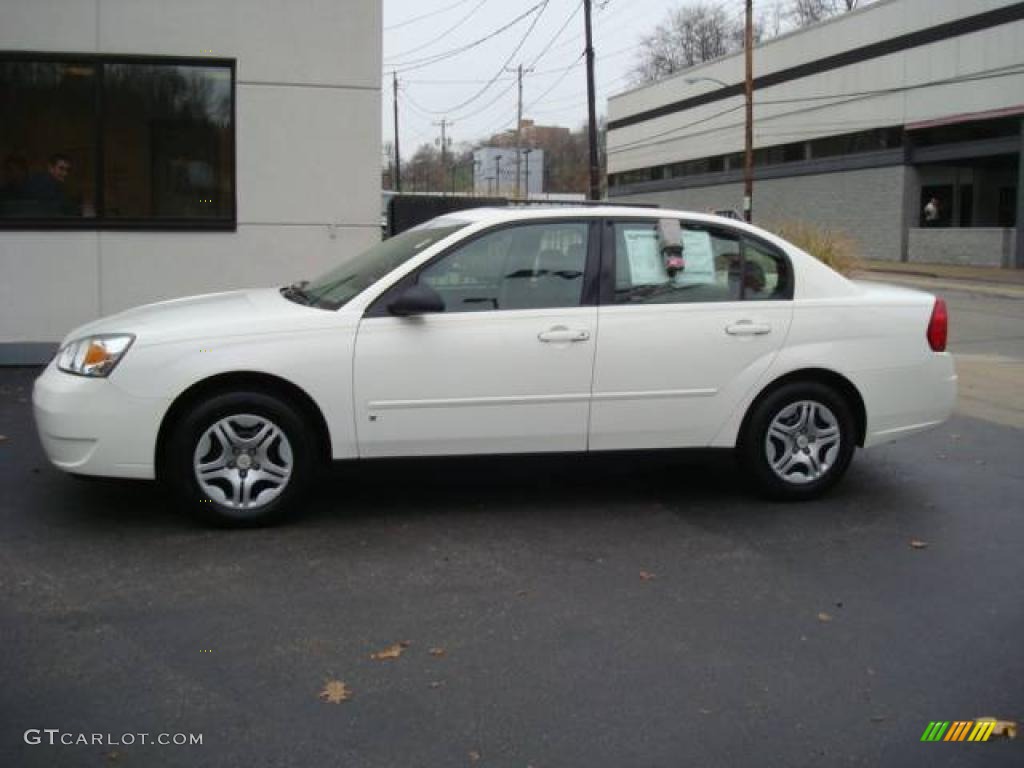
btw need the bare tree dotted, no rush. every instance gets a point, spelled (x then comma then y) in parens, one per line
(806, 12)
(688, 36)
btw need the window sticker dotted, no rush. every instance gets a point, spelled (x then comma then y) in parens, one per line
(699, 257)
(643, 253)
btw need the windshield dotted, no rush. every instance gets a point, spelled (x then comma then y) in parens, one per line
(354, 275)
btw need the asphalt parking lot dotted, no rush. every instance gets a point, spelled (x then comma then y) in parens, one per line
(605, 611)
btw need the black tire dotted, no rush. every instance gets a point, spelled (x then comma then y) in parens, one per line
(247, 413)
(756, 452)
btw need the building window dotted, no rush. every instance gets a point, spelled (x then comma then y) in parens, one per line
(108, 141)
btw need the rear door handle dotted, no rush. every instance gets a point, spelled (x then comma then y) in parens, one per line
(747, 328)
(562, 333)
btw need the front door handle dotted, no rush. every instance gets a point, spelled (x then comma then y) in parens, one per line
(747, 328)
(563, 334)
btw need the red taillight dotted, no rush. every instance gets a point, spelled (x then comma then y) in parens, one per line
(938, 325)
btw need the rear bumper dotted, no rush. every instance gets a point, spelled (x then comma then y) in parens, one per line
(92, 427)
(904, 401)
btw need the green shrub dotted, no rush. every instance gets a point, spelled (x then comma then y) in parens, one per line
(833, 247)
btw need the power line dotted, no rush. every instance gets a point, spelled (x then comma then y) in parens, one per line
(439, 37)
(557, 34)
(433, 59)
(540, 12)
(414, 19)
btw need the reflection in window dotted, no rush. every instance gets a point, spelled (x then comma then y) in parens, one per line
(47, 140)
(167, 141)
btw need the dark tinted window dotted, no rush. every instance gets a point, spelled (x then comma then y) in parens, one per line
(167, 141)
(116, 140)
(47, 139)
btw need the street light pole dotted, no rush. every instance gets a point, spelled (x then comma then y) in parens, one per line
(748, 161)
(398, 157)
(526, 154)
(497, 174)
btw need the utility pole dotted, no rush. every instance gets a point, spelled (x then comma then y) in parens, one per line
(595, 171)
(519, 120)
(748, 161)
(398, 160)
(444, 144)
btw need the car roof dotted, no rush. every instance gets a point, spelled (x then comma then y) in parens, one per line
(526, 213)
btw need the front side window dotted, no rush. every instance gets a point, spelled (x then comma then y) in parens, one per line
(526, 266)
(116, 141)
(716, 265)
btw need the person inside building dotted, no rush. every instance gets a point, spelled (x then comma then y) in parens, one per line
(932, 212)
(47, 191)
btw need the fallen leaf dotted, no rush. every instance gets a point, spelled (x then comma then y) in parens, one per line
(335, 692)
(436, 683)
(918, 544)
(437, 651)
(1003, 729)
(646, 575)
(877, 718)
(822, 616)
(391, 652)
(2, 438)
(113, 756)
(474, 755)
(705, 711)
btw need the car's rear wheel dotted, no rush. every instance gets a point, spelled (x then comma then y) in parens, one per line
(798, 441)
(242, 459)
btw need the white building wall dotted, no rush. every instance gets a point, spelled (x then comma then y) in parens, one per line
(717, 128)
(307, 144)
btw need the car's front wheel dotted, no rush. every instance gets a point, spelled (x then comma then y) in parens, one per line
(798, 441)
(242, 459)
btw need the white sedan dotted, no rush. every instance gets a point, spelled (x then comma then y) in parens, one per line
(497, 332)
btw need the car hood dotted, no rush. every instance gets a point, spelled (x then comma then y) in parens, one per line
(213, 315)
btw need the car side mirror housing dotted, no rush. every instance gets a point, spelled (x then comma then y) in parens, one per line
(417, 299)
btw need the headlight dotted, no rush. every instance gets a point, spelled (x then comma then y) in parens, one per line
(94, 356)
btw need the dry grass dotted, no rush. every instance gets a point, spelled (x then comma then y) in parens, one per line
(834, 247)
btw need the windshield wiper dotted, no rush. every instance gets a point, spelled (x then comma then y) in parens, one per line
(296, 292)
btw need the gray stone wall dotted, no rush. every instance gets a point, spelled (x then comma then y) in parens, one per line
(868, 204)
(981, 247)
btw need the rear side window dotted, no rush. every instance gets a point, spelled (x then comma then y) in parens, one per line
(716, 265)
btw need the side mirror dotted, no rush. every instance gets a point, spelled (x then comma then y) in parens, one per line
(416, 300)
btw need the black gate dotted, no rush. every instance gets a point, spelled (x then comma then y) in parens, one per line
(406, 211)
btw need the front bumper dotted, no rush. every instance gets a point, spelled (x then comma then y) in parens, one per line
(93, 427)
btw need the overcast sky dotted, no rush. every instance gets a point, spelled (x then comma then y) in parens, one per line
(551, 95)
